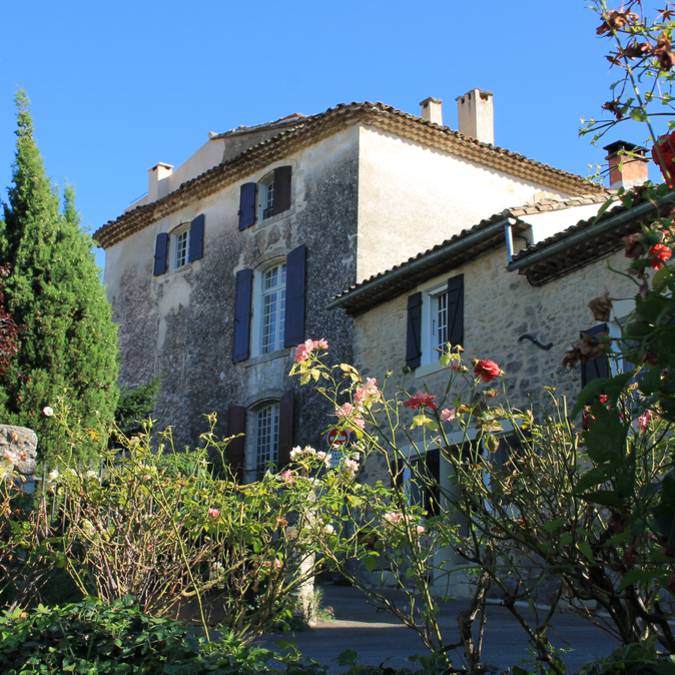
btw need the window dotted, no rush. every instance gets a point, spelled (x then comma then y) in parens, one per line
(266, 437)
(272, 304)
(179, 245)
(266, 197)
(435, 326)
(435, 317)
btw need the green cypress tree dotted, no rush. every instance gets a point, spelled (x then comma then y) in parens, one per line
(68, 342)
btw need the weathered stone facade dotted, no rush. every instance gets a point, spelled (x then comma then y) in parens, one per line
(362, 199)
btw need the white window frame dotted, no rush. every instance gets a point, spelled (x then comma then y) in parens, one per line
(260, 295)
(619, 315)
(265, 197)
(262, 438)
(431, 352)
(180, 233)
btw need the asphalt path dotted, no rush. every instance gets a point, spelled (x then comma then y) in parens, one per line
(376, 636)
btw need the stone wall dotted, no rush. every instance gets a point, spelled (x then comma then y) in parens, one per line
(499, 307)
(179, 326)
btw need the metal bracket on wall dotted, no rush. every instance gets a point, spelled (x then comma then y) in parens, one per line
(534, 341)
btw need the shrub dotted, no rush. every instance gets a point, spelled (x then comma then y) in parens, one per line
(93, 637)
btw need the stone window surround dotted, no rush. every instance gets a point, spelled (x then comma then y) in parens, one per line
(270, 398)
(266, 174)
(257, 355)
(265, 197)
(430, 359)
(177, 231)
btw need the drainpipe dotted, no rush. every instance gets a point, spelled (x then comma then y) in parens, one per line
(508, 237)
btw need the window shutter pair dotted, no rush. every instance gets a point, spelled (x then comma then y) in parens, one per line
(294, 321)
(455, 292)
(248, 196)
(195, 245)
(236, 424)
(596, 368)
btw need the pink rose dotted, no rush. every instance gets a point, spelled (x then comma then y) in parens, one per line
(214, 513)
(287, 476)
(448, 414)
(644, 420)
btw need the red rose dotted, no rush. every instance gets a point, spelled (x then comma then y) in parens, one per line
(421, 400)
(487, 370)
(659, 254)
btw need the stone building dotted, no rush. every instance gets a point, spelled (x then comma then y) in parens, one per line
(513, 288)
(232, 258)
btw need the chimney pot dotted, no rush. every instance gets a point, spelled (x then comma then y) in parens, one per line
(628, 164)
(159, 172)
(431, 110)
(475, 112)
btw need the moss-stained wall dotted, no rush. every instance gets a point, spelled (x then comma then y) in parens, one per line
(179, 326)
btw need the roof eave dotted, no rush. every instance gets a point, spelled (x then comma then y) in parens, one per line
(412, 273)
(601, 226)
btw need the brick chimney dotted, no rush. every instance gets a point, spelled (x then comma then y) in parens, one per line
(475, 112)
(431, 110)
(157, 173)
(628, 164)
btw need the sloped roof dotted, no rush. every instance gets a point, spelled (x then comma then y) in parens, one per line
(590, 239)
(450, 253)
(311, 129)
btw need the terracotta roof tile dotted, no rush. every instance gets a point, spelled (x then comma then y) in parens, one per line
(311, 129)
(379, 287)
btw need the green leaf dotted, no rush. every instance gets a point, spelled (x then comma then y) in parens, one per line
(638, 114)
(661, 278)
(605, 438)
(586, 549)
(591, 478)
(612, 386)
(602, 497)
(636, 575)
(566, 538)
(553, 525)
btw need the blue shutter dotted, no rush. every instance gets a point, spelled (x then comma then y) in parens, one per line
(247, 204)
(456, 310)
(286, 429)
(242, 315)
(196, 243)
(282, 189)
(294, 323)
(413, 347)
(161, 253)
(236, 424)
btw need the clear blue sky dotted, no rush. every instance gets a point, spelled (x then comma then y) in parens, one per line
(117, 87)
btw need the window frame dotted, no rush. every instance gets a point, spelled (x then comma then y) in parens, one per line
(431, 353)
(260, 293)
(264, 208)
(254, 467)
(182, 230)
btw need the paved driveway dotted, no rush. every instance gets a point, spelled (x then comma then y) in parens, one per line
(377, 637)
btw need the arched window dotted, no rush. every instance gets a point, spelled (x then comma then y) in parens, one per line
(262, 451)
(179, 246)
